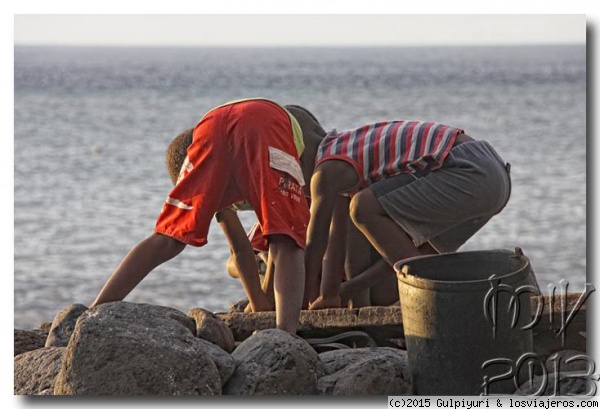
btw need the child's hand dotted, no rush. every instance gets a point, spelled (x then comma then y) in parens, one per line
(265, 306)
(326, 301)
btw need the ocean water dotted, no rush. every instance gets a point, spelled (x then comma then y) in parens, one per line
(92, 126)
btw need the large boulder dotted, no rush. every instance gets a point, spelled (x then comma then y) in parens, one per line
(365, 371)
(224, 361)
(64, 324)
(35, 371)
(28, 340)
(212, 329)
(123, 348)
(274, 362)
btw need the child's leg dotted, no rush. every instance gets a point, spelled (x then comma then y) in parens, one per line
(358, 259)
(384, 288)
(386, 291)
(143, 258)
(289, 280)
(385, 235)
(334, 260)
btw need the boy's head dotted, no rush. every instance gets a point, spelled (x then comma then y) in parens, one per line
(176, 153)
(308, 122)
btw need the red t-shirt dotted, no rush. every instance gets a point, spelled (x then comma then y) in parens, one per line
(243, 151)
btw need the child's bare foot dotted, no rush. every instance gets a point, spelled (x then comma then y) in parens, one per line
(266, 306)
(326, 301)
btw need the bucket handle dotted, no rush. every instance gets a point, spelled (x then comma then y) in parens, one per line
(518, 252)
(405, 270)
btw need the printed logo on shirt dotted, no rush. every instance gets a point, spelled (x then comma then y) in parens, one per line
(289, 188)
(285, 162)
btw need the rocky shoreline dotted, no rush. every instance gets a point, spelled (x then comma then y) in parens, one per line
(128, 349)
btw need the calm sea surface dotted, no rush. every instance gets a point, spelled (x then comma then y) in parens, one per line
(92, 125)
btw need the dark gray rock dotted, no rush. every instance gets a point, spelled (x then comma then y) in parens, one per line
(212, 329)
(64, 324)
(224, 361)
(28, 340)
(365, 371)
(274, 362)
(35, 371)
(131, 349)
(239, 306)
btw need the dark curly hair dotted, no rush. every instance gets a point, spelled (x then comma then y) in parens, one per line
(176, 153)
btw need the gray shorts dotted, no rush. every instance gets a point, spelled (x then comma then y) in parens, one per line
(449, 205)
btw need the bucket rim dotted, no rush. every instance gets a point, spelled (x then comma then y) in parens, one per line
(462, 286)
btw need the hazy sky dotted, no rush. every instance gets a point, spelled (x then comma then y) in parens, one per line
(297, 29)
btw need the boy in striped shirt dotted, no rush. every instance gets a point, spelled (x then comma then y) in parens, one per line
(410, 187)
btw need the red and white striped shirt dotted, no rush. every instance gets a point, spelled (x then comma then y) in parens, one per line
(384, 149)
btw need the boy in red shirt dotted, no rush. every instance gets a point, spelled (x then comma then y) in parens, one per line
(252, 151)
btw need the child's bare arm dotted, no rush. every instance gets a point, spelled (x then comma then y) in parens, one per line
(329, 180)
(321, 211)
(333, 262)
(143, 258)
(243, 260)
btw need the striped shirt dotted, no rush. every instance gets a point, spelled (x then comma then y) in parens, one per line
(384, 149)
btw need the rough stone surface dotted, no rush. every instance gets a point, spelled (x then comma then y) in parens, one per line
(28, 340)
(131, 349)
(312, 322)
(569, 384)
(64, 324)
(45, 326)
(239, 306)
(274, 362)
(140, 349)
(212, 329)
(224, 361)
(384, 324)
(365, 371)
(35, 371)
